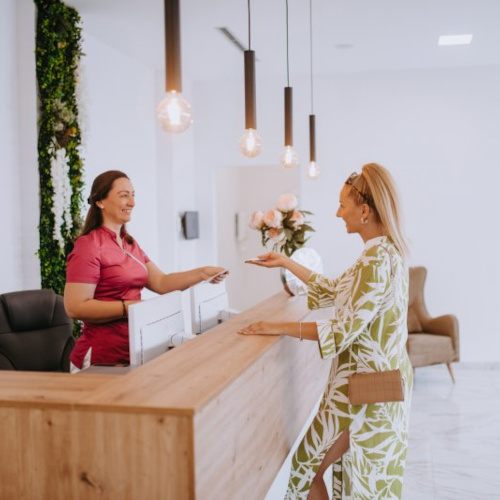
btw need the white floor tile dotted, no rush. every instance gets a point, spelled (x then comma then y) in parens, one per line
(454, 450)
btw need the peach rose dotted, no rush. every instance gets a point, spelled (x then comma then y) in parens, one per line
(273, 218)
(275, 234)
(287, 202)
(297, 219)
(256, 220)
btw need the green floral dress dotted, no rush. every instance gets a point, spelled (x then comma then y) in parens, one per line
(368, 333)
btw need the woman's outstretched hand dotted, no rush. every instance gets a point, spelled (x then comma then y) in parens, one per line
(262, 328)
(213, 274)
(270, 259)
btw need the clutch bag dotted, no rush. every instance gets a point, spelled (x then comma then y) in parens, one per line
(375, 387)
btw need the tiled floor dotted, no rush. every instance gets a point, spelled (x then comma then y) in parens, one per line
(454, 450)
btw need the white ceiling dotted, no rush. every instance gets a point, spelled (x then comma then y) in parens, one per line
(379, 34)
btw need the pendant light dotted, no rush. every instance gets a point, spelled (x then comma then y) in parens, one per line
(289, 156)
(250, 143)
(174, 111)
(313, 169)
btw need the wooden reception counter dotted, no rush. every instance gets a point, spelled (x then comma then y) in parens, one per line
(213, 418)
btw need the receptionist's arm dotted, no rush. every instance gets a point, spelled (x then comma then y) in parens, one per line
(160, 282)
(80, 304)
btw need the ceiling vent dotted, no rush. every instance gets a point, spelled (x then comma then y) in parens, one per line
(227, 33)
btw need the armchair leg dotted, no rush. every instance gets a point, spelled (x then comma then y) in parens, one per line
(450, 369)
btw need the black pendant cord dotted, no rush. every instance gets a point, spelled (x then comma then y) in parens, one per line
(311, 55)
(249, 28)
(287, 56)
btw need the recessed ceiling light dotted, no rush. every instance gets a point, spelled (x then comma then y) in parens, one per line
(344, 46)
(455, 40)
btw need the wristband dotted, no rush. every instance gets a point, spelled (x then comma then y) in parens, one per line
(300, 331)
(124, 312)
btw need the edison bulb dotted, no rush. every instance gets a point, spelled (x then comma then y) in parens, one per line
(313, 170)
(174, 112)
(250, 143)
(289, 157)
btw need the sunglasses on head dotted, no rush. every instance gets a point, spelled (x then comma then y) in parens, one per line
(366, 197)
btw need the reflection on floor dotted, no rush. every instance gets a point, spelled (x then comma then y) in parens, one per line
(454, 448)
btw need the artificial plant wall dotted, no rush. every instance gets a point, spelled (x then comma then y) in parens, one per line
(58, 52)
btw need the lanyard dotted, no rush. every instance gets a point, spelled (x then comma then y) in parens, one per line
(136, 259)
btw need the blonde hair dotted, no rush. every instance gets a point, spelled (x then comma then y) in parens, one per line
(375, 187)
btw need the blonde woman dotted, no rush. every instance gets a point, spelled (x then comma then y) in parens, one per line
(365, 443)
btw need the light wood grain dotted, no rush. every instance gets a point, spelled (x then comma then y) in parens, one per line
(240, 450)
(214, 418)
(53, 454)
(38, 388)
(205, 365)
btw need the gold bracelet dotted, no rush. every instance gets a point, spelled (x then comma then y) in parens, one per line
(300, 331)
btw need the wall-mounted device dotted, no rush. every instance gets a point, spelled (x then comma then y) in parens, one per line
(190, 226)
(240, 225)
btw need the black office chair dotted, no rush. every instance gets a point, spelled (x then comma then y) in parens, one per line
(35, 332)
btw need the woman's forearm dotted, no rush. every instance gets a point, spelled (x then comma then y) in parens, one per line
(306, 331)
(303, 273)
(180, 281)
(98, 311)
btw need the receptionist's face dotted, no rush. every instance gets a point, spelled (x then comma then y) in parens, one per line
(118, 205)
(349, 211)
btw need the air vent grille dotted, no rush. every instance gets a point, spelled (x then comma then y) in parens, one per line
(227, 33)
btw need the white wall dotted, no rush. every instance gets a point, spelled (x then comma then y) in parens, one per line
(119, 99)
(11, 270)
(27, 142)
(180, 187)
(243, 190)
(435, 130)
(219, 125)
(437, 133)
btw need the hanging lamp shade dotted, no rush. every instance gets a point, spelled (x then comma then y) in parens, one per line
(250, 115)
(313, 169)
(289, 157)
(288, 116)
(173, 76)
(312, 137)
(250, 143)
(174, 111)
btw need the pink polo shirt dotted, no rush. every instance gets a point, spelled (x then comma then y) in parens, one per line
(118, 274)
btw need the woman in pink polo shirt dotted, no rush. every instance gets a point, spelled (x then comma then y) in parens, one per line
(107, 270)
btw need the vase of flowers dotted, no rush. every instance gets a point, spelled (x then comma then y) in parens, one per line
(283, 228)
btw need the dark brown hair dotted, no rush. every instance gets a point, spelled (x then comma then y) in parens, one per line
(100, 188)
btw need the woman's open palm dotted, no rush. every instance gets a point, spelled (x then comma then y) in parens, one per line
(270, 259)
